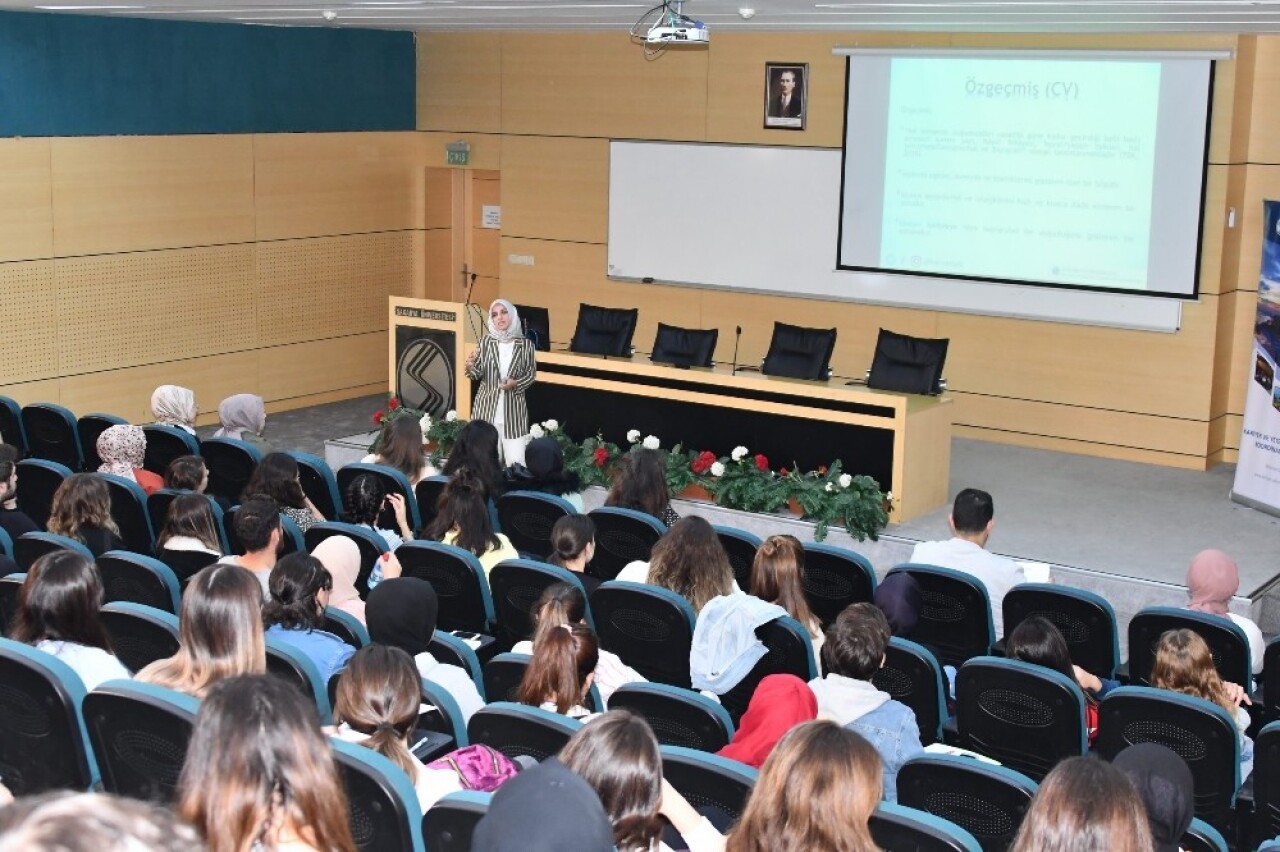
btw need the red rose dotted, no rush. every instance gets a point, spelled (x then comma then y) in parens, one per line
(782, 471)
(377, 418)
(822, 470)
(762, 463)
(601, 456)
(393, 404)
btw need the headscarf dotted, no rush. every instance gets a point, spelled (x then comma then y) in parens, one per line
(174, 406)
(341, 556)
(780, 702)
(244, 412)
(1164, 783)
(546, 808)
(543, 469)
(514, 329)
(402, 612)
(121, 449)
(899, 599)
(1212, 580)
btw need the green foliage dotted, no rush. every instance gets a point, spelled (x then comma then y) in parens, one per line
(444, 434)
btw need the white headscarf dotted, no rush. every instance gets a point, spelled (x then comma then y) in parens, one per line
(174, 406)
(514, 331)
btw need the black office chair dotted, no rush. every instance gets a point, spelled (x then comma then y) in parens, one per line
(987, 801)
(88, 428)
(11, 430)
(459, 582)
(740, 546)
(519, 730)
(678, 717)
(800, 353)
(382, 805)
(604, 331)
(128, 576)
(908, 364)
(708, 781)
(650, 628)
(166, 443)
(684, 347)
(139, 734)
(894, 827)
(1226, 641)
(231, 463)
(52, 435)
(140, 634)
(622, 536)
(911, 675)
(790, 651)
(129, 511)
(537, 326)
(955, 613)
(834, 578)
(40, 479)
(516, 585)
(1086, 620)
(450, 822)
(527, 517)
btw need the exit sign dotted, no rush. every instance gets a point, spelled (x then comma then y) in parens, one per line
(457, 158)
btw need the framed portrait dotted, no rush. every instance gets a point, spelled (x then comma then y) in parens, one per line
(786, 94)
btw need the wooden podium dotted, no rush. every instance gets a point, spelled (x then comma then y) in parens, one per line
(427, 342)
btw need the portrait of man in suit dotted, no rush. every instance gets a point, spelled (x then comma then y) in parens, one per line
(785, 93)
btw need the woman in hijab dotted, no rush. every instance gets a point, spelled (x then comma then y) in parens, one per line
(1212, 581)
(1165, 785)
(402, 612)
(780, 702)
(504, 366)
(174, 406)
(543, 470)
(121, 449)
(340, 555)
(244, 417)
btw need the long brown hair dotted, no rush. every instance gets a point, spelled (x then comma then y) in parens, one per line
(191, 515)
(59, 601)
(276, 476)
(1184, 664)
(219, 632)
(1083, 805)
(559, 604)
(640, 483)
(563, 658)
(617, 754)
(258, 764)
(777, 576)
(690, 561)
(82, 500)
(815, 793)
(400, 446)
(463, 506)
(379, 693)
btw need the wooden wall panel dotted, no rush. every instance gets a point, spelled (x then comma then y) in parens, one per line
(321, 366)
(315, 184)
(129, 193)
(1214, 231)
(1264, 124)
(26, 199)
(556, 188)
(460, 81)
(437, 192)
(437, 249)
(127, 392)
(29, 342)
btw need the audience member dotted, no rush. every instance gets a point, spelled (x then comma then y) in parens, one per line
(1084, 805)
(82, 510)
(1164, 783)
(187, 473)
(300, 588)
(1212, 581)
(780, 702)
(561, 671)
(364, 502)
(122, 449)
(57, 612)
(777, 576)
(690, 561)
(852, 654)
(259, 774)
(175, 406)
(543, 470)
(476, 449)
(546, 808)
(898, 597)
(13, 520)
(1037, 641)
(815, 793)
(341, 558)
(463, 520)
(243, 417)
(277, 476)
(67, 821)
(640, 483)
(400, 446)
(190, 525)
(972, 520)
(402, 612)
(219, 633)
(257, 526)
(573, 544)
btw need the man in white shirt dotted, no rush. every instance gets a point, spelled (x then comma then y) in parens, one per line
(971, 520)
(257, 525)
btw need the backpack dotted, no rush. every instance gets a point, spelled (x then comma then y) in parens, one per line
(479, 767)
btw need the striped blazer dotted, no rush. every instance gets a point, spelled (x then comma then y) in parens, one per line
(523, 370)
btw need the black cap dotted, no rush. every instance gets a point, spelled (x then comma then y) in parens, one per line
(544, 809)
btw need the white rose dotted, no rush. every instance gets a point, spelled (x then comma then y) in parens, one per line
(831, 486)
(536, 431)
(425, 423)
(738, 454)
(845, 480)
(717, 469)
(651, 442)
(633, 436)
(451, 416)
(551, 425)
(888, 495)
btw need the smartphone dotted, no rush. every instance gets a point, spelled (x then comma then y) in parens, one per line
(465, 635)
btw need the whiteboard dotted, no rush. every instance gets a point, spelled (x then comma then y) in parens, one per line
(765, 219)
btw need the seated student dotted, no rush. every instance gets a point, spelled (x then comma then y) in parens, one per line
(476, 450)
(777, 576)
(219, 633)
(400, 446)
(341, 557)
(58, 613)
(546, 808)
(69, 821)
(562, 604)
(122, 448)
(257, 526)
(573, 544)
(1037, 641)
(562, 670)
(543, 470)
(13, 520)
(402, 613)
(640, 483)
(82, 510)
(189, 527)
(1083, 805)
(174, 406)
(463, 520)
(300, 588)
(780, 702)
(260, 775)
(1212, 581)
(364, 501)
(277, 476)
(690, 561)
(190, 473)
(852, 654)
(243, 417)
(815, 793)
(1165, 785)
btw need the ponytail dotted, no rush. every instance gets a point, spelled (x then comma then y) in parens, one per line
(570, 536)
(378, 695)
(561, 603)
(564, 656)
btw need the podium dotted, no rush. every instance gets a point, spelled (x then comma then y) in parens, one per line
(427, 346)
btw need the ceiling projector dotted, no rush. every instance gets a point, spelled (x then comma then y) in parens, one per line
(679, 35)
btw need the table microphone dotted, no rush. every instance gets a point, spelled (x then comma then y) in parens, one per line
(737, 336)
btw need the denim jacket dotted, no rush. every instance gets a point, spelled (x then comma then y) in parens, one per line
(327, 651)
(888, 725)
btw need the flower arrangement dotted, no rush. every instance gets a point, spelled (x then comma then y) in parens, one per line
(393, 411)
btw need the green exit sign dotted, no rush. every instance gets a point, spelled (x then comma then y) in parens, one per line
(456, 158)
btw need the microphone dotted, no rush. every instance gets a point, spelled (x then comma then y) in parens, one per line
(466, 302)
(737, 337)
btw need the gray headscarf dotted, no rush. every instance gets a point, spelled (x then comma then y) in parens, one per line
(244, 412)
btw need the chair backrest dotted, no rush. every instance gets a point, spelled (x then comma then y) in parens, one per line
(790, 651)
(12, 431)
(450, 823)
(679, 717)
(955, 613)
(89, 427)
(381, 801)
(684, 347)
(140, 634)
(708, 780)
(31, 546)
(835, 577)
(650, 628)
(446, 717)
(427, 492)
(43, 743)
(1198, 731)
(741, 547)
(51, 434)
(6, 543)
(503, 673)
(10, 589)
(346, 627)
(604, 331)
(393, 482)
(1202, 837)
(1226, 641)
(38, 480)
(1271, 680)
(1085, 619)
(128, 576)
(537, 326)
(799, 353)
(231, 463)
(896, 827)
(185, 564)
(911, 675)
(139, 734)
(370, 544)
(517, 730)
(459, 581)
(987, 801)
(450, 650)
(129, 511)
(1026, 716)
(622, 536)
(290, 664)
(527, 518)
(516, 586)
(319, 484)
(907, 364)
(166, 443)
(1266, 782)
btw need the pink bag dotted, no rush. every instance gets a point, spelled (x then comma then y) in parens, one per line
(479, 767)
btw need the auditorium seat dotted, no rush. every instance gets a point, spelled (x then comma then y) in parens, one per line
(790, 651)
(10, 589)
(834, 578)
(382, 804)
(231, 463)
(452, 651)
(291, 665)
(684, 347)
(458, 580)
(894, 827)
(986, 800)
(622, 536)
(740, 546)
(1202, 837)
(679, 717)
(649, 627)
(450, 823)
(503, 673)
(129, 576)
(604, 331)
(516, 585)
(88, 428)
(1085, 619)
(1266, 785)
(518, 730)
(11, 430)
(39, 480)
(140, 634)
(129, 511)
(371, 546)
(51, 434)
(319, 484)
(1226, 641)
(346, 627)
(708, 780)
(166, 443)
(139, 733)
(158, 511)
(907, 364)
(427, 492)
(911, 675)
(393, 482)
(527, 517)
(955, 613)
(31, 546)
(445, 717)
